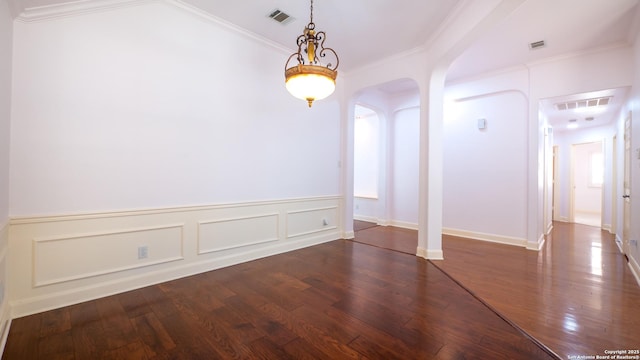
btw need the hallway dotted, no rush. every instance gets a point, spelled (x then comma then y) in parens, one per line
(577, 295)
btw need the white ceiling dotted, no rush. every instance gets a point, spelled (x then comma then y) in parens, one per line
(365, 31)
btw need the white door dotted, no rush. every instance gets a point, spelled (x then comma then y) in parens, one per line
(626, 194)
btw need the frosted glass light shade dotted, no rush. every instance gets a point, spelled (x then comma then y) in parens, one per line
(310, 82)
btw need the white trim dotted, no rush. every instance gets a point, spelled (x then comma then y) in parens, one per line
(6, 327)
(165, 210)
(619, 243)
(500, 239)
(430, 254)
(607, 227)
(370, 219)
(36, 251)
(5, 308)
(635, 268)
(366, 197)
(348, 235)
(46, 12)
(549, 228)
(404, 224)
(536, 246)
(224, 248)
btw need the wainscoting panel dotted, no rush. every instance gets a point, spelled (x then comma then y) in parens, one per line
(226, 234)
(71, 257)
(311, 221)
(62, 260)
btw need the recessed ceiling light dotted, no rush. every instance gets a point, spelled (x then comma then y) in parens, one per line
(590, 118)
(573, 123)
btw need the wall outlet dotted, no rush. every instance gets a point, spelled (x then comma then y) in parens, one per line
(325, 222)
(633, 243)
(143, 252)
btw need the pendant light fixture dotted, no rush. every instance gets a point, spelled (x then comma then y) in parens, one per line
(310, 78)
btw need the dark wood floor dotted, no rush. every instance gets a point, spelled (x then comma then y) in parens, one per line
(577, 296)
(338, 300)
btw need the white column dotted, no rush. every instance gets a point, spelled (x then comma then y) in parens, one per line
(431, 168)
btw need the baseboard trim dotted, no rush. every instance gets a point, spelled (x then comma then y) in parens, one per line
(349, 235)
(370, 219)
(430, 254)
(619, 243)
(549, 228)
(6, 327)
(404, 224)
(635, 269)
(500, 239)
(536, 246)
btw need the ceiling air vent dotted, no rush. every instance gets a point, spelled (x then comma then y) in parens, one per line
(536, 45)
(579, 104)
(280, 16)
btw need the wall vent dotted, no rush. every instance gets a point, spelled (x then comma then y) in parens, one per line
(536, 45)
(280, 16)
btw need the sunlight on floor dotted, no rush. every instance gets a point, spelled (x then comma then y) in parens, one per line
(586, 218)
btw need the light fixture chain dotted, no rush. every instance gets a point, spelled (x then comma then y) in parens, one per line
(311, 12)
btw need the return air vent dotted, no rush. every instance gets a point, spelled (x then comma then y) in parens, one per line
(536, 45)
(581, 104)
(280, 16)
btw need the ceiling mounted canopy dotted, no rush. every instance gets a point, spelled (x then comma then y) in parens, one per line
(308, 75)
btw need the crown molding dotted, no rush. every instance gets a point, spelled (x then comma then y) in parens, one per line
(40, 13)
(81, 7)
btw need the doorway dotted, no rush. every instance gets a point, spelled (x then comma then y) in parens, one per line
(587, 177)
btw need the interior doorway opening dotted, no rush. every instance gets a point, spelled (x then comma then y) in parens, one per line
(587, 178)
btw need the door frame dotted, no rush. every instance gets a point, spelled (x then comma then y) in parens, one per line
(626, 186)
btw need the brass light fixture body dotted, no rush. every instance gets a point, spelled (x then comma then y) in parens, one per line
(310, 79)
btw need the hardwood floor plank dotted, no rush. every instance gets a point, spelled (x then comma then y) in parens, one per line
(154, 336)
(134, 303)
(54, 322)
(58, 345)
(341, 299)
(274, 330)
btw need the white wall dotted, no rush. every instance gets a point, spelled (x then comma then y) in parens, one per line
(367, 159)
(485, 171)
(553, 77)
(151, 106)
(588, 198)
(405, 150)
(152, 126)
(6, 51)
